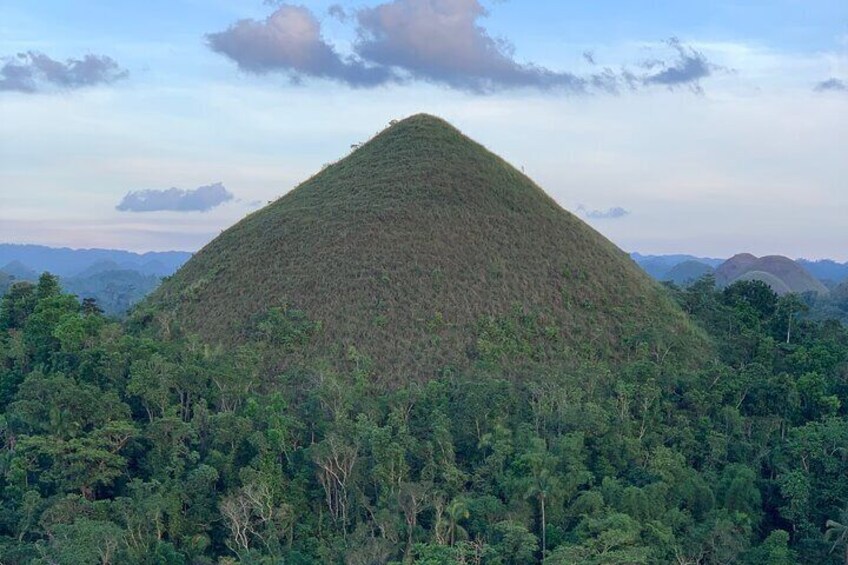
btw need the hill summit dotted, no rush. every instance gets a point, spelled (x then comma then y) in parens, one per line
(417, 249)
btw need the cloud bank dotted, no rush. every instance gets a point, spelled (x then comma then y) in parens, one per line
(34, 72)
(201, 199)
(608, 214)
(437, 41)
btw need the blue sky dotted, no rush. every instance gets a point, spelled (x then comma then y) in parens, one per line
(709, 128)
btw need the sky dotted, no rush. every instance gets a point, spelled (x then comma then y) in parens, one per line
(708, 128)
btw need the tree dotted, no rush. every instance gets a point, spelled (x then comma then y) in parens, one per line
(774, 551)
(413, 498)
(541, 483)
(513, 543)
(90, 307)
(84, 541)
(837, 532)
(335, 459)
(456, 511)
(788, 308)
(613, 539)
(17, 305)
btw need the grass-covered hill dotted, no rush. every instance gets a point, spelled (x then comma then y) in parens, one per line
(781, 273)
(776, 284)
(687, 272)
(417, 250)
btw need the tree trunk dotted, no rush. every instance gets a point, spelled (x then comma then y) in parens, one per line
(544, 532)
(789, 329)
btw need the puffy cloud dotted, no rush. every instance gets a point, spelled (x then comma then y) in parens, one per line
(439, 41)
(687, 69)
(33, 71)
(200, 199)
(442, 41)
(290, 40)
(831, 84)
(608, 214)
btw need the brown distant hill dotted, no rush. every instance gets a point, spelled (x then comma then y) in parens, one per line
(782, 274)
(409, 246)
(733, 268)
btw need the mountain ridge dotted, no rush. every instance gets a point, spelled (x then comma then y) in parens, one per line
(65, 261)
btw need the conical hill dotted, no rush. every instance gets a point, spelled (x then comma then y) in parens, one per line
(405, 247)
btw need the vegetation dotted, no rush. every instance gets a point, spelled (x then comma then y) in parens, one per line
(418, 357)
(136, 443)
(115, 291)
(833, 306)
(400, 249)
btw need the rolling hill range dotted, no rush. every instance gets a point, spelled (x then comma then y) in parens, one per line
(116, 279)
(826, 270)
(415, 250)
(66, 262)
(782, 274)
(659, 266)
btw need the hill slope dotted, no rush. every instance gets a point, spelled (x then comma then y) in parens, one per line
(404, 246)
(115, 290)
(733, 268)
(19, 272)
(687, 272)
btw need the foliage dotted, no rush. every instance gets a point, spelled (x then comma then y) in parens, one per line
(139, 444)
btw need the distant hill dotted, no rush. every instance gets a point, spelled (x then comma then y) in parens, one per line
(841, 292)
(826, 269)
(734, 268)
(658, 266)
(422, 251)
(114, 290)
(833, 306)
(6, 281)
(687, 272)
(776, 284)
(66, 262)
(101, 267)
(781, 273)
(115, 279)
(18, 271)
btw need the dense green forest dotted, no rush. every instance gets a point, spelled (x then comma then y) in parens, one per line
(134, 443)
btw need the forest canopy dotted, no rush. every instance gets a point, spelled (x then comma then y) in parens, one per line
(134, 442)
